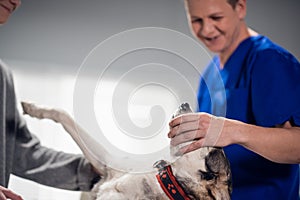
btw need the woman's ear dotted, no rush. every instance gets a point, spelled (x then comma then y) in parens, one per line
(241, 8)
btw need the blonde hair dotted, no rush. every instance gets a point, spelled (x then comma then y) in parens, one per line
(231, 2)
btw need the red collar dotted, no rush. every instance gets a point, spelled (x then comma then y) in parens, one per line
(170, 185)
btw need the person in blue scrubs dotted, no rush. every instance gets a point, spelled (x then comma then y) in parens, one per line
(249, 103)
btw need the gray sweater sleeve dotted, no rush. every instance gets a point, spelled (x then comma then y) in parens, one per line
(22, 154)
(49, 167)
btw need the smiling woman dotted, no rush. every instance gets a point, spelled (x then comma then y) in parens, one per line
(220, 26)
(261, 131)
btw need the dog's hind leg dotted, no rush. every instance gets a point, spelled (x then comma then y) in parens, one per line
(80, 136)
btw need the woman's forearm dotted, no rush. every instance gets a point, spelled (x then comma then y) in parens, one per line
(281, 144)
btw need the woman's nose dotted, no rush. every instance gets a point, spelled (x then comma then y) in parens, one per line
(207, 28)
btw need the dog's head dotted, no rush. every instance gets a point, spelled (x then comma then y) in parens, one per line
(204, 173)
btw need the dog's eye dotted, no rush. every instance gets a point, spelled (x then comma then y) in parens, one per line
(207, 175)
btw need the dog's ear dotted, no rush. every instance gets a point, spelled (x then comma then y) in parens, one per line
(217, 170)
(215, 164)
(218, 166)
(216, 161)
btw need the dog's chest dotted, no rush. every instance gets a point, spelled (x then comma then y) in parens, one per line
(131, 186)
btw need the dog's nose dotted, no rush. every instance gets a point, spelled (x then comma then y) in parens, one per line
(185, 107)
(160, 164)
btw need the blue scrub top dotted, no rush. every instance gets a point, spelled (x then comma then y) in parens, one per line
(262, 87)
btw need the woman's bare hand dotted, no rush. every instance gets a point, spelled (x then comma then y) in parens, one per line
(8, 194)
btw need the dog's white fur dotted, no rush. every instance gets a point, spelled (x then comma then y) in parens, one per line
(204, 174)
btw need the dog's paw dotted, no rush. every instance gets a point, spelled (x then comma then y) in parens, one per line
(28, 108)
(40, 112)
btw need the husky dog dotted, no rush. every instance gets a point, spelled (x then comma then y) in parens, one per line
(202, 174)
